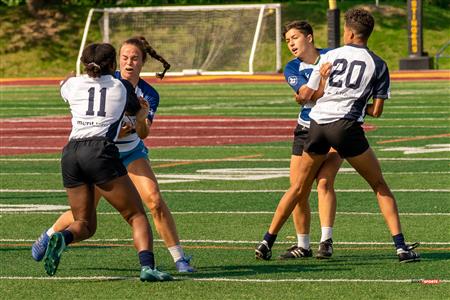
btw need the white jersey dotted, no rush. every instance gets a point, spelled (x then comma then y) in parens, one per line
(97, 106)
(357, 75)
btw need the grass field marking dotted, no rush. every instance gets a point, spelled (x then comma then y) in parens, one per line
(237, 191)
(224, 279)
(4, 159)
(14, 209)
(230, 242)
(284, 173)
(415, 138)
(190, 162)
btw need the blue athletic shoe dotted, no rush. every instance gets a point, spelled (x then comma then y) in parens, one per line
(39, 246)
(183, 265)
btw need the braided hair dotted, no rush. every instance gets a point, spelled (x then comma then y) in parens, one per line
(99, 59)
(142, 44)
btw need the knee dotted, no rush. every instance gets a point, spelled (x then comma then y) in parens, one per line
(324, 185)
(378, 185)
(89, 228)
(154, 202)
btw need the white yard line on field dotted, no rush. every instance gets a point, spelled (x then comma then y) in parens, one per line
(47, 209)
(231, 242)
(236, 191)
(241, 280)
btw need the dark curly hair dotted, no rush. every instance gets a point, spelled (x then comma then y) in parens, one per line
(99, 59)
(302, 26)
(360, 22)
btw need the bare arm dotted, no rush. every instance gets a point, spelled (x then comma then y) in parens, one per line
(375, 109)
(143, 124)
(307, 94)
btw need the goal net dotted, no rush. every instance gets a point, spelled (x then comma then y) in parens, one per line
(211, 39)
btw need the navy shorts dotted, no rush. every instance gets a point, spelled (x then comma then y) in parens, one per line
(90, 161)
(300, 136)
(346, 136)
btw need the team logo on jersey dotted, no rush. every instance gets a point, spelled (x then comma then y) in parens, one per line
(292, 80)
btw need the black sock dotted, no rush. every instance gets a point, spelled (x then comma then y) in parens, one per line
(399, 241)
(68, 236)
(270, 239)
(146, 258)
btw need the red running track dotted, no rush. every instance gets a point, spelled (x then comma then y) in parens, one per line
(49, 134)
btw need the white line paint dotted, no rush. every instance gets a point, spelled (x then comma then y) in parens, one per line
(235, 159)
(286, 171)
(20, 210)
(225, 279)
(231, 242)
(237, 191)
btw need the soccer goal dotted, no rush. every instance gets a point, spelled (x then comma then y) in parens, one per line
(208, 40)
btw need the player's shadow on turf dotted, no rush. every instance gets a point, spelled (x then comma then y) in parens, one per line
(435, 255)
(249, 270)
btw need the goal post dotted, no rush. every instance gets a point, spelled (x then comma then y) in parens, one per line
(203, 40)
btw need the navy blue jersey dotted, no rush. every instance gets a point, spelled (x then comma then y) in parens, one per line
(145, 90)
(297, 73)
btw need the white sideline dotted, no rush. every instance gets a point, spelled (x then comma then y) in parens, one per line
(239, 191)
(23, 209)
(224, 279)
(238, 159)
(229, 242)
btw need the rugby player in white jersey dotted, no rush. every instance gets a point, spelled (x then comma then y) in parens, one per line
(134, 155)
(300, 41)
(90, 159)
(348, 77)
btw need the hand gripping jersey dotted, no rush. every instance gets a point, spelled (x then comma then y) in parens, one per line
(143, 89)
(297, 73)
(357, 75)
(97, 105)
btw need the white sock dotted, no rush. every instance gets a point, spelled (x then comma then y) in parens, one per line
(303, 241)
(50, 231)
(176, 252)
(327, 233)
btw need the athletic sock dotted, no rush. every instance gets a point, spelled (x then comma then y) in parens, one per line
(327, 233)
(176, 252)
(399, 241)
(68, 237)
(146, 258)
(270, 239)
(303, 241)
(50, 231)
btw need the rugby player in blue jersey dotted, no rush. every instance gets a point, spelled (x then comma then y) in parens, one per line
(300, 41)
(134, 155)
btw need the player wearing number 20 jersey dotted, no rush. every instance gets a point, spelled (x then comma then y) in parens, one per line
(357, 75)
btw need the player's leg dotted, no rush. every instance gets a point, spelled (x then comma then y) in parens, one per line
(301, 216)
(123, 196)
(356, 150)
(327, 201)
(297, 192)
(81, 200)
(64, 220)
(146, 183)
